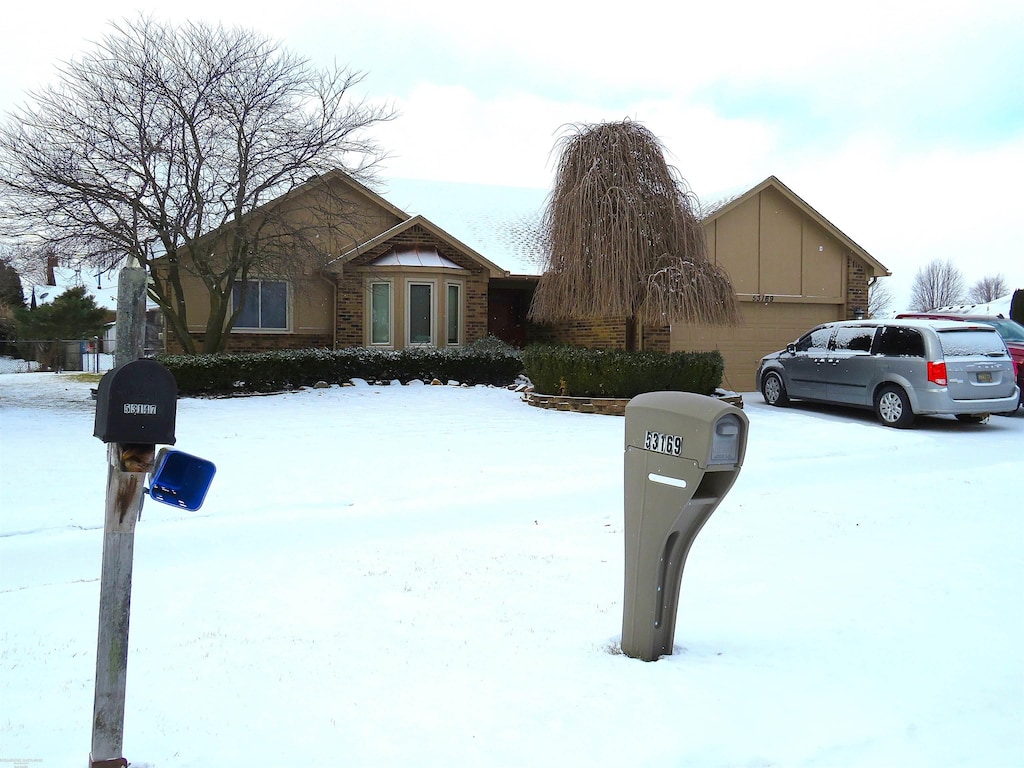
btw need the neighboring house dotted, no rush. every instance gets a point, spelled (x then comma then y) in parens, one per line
(402, 280)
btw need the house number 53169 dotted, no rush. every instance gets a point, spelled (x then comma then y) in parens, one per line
(662, 443)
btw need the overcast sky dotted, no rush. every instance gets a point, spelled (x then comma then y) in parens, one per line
(901, 122)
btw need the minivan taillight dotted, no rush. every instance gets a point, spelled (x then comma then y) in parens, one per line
(937, 373)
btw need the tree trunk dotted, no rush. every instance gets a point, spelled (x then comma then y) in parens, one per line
(175, 326)
(634, 338)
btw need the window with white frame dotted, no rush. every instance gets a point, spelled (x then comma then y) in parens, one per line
(380, 313)
(265, 306)
(419, 313)
(453, 315)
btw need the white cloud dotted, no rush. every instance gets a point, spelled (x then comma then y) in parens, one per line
(896, 119)
(447, 133)
(908, 209)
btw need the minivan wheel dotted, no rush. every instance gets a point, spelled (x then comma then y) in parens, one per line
(773, 390)
(893, 407)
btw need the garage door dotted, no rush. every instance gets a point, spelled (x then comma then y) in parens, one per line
(765, 328)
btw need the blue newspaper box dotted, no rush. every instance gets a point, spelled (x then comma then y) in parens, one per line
(181, 479)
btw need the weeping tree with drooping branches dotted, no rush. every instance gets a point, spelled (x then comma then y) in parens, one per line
(624, 238)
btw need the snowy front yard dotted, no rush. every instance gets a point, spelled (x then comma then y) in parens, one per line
(432, 576)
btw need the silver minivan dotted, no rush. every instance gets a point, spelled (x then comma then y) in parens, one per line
(899, 368)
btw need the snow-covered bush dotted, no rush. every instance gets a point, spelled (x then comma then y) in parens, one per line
(582, 372)
(489, 361)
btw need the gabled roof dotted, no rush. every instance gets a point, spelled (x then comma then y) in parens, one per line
(502, 222)
(337, 264)
(338, 175)
(879, 269)
(334, 175)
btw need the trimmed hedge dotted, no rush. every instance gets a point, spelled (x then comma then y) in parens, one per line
(581, 372)
(488, 361)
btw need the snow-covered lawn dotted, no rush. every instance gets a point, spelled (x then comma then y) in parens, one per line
(432, 576)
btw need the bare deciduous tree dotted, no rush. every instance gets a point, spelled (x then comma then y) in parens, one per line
(30, 261)
(988, 289)
(880, 298)
(937, 284)
(161, 149)
(624, 237)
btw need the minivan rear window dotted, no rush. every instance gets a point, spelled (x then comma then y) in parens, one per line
(971, 342)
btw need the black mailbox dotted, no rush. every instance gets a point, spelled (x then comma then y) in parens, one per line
(137, 403)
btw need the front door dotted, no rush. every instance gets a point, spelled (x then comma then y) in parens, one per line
(506, 315)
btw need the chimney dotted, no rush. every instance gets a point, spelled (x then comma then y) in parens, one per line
(51, 265)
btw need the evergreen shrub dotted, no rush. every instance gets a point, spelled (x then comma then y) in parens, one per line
(582, 372)
(488, 361)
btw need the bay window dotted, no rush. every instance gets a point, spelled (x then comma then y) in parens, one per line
(453, 315)
(380, 313)
(420, 313)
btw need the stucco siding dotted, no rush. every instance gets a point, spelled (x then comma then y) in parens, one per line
(765, 328)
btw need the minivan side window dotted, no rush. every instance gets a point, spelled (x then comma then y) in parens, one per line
(815, 341)
(900, 342)
(854, 339)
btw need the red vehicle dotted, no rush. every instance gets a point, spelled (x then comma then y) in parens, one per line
(1011, 331)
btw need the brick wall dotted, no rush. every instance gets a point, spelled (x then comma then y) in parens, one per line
(351, 308)
(352, 291)
(260, 342)
(475, 320)
(606, 333)
(856, 287)
(656, 339)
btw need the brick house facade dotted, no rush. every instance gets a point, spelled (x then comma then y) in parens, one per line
(431, 289)
(790, 267)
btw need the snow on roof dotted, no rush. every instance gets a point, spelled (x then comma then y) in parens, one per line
(502, 224)
(994, 308)
(102, 286)
(414, 257)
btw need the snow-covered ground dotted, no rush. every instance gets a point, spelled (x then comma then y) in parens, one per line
(432, 576)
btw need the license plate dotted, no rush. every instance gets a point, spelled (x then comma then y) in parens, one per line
(659, 442)
(984, 377)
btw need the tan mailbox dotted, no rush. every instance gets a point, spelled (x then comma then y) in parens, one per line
(683, 454)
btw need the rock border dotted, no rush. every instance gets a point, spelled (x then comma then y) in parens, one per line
(607, 406)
